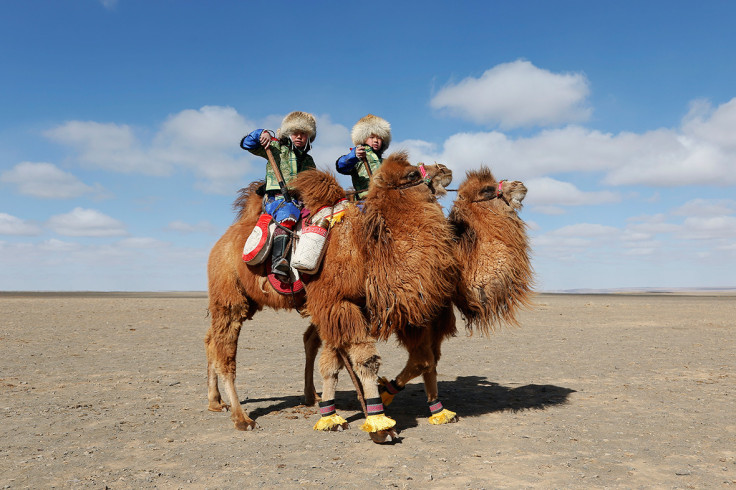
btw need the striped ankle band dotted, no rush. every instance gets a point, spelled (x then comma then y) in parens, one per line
(374, 406)
(435, 406)
(392, 387)
(327, 408)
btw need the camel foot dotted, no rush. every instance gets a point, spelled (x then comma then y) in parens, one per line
(388, 390)
(246, 425)
(444, 417)
(384, 436)
(311, 399)
(218, 407)
(333, 423)
(377, 423)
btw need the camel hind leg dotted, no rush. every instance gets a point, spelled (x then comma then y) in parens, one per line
(221, 345)
(424, 354)
(312, 343)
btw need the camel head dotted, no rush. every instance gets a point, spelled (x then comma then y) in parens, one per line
(317, 188)
(481, 186)
(440, 177)
(397, 173)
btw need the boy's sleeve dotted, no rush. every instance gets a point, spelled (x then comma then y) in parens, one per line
(346, 163)
(251, 142)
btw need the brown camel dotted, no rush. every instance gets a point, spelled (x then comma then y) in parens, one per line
(492, 252)
(345, 292)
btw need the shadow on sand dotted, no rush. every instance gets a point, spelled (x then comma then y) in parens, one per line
(468, 396)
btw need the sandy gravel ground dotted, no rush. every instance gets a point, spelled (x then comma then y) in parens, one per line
(617, 391)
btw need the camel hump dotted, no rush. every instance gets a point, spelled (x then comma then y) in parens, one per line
(248, 202)
(317, 188)
(393, 170)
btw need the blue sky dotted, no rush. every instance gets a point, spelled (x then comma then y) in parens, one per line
(120, 122)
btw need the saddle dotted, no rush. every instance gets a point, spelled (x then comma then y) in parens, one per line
(308, 245)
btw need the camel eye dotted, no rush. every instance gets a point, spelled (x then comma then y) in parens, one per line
(488, 191)
(413, 175)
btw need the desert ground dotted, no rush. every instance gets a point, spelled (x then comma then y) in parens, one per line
(108, 390)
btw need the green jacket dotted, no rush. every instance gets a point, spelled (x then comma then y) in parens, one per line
(289, 159)
(350, 165)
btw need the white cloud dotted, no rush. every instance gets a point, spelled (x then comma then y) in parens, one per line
(46, 180)
(333, 140)
(209, 128)
(706, 207)
(109, 146)
(651, 224)
(203, 142)
(588, 230)
(517, 94)
(713, 126)
(709, 228)
(11, 225)
(109, 4)
(56, 245)
(131, 264)
(546, 191)
(86, 222)
(691, 155)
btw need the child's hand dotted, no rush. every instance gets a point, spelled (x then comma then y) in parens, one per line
(265, 139)
(360, 152)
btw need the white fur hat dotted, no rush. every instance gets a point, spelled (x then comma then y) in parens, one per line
(369, 125)
(298, 121)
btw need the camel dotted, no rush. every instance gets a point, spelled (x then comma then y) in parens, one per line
(400, 223)
(495, 280)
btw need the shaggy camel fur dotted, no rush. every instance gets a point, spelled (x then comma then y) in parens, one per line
(398, 252)
(493, 248)
(492, 252)
(496, 278)
(337, 297)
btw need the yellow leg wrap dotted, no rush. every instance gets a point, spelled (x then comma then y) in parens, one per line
(331, 422)
(443, 417)
(374, 423)
(386, 397)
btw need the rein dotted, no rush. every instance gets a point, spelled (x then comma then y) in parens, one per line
(422, 180)
(497, 195)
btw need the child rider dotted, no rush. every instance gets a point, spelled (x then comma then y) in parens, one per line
(371, 136)
(290, 150)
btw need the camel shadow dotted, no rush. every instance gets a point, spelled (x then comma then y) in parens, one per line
(469, 396)
(472, 396)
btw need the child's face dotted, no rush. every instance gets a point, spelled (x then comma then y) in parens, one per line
(374, 142)
(299, 138)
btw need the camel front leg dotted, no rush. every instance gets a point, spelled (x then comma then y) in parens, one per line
(312, 343)
(329, 367)
(421, 360)
(366, 361)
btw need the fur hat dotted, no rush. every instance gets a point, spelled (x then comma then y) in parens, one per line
(369, 125)
(298, 121)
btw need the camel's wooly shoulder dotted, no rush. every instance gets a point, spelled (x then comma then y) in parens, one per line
(412, 271)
